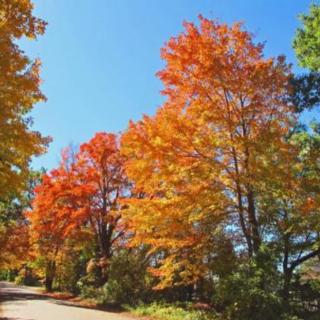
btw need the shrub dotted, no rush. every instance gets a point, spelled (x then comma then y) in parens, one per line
(26, 276)
(252, 291)
(91, 292)
(172, 312)
(128, 280)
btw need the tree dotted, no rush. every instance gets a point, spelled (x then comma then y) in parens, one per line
(302, 235)
(19, 92)
(99, 168)
(52, 216)
(298, 225)
(201, 159)
(307, 39)
(305, 93)
(14, 232)
(82, 194)
(14, 242)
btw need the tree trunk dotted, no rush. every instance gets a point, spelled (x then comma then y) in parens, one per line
(286, 288)
(240, 205)
(50, 274)
(48, 284)
(105, 237)
(253, 222)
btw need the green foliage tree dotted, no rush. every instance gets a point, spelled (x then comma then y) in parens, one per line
(128, 281)
(307, 39)
(305, 91)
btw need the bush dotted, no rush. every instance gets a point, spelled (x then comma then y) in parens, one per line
(91, 292)
(171, 312)
(128, 280)
(27, 277)
(252, 291)
(71, 268)
(8, 275)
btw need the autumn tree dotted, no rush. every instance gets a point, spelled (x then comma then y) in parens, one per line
(19, 92)
(291, 207)
(99, 167)
(14, 231)
(82, 193)
(15, 244)
(300, 214)
(223, 164)
(202, 157)
(52, 216)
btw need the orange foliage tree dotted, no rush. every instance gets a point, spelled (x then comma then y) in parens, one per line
(81, 195)
(202, 159)
(52, 216)
(99, 168)
(15, 245)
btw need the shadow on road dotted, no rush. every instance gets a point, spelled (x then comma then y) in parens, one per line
(12, 293)
(14, 319)
(107, 308)
(8, 296)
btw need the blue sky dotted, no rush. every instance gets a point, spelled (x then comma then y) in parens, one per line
(100, 57)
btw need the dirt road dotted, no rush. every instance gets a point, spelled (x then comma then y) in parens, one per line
(20, 303)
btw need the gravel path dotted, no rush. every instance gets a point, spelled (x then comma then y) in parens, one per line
(20, 303)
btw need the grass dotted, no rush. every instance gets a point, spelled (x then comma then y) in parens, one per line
(170, 312)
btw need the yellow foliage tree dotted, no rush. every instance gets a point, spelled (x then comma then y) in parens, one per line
(200, 160)
(19, 92)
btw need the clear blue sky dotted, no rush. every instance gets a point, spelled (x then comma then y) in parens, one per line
(100, 57)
